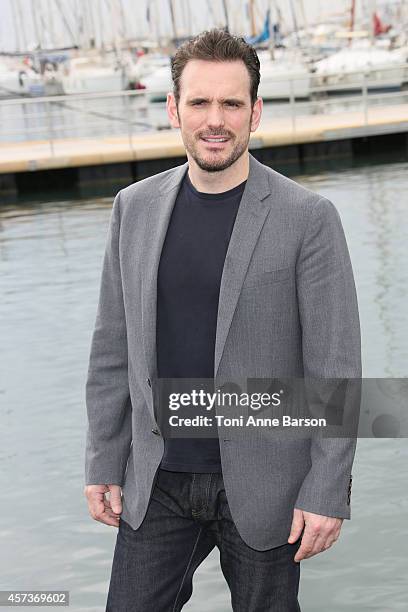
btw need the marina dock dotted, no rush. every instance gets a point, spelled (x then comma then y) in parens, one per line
(131, 156)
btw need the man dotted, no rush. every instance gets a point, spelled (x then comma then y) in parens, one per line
(222, 268)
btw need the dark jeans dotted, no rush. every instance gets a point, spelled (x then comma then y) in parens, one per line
(187, 517)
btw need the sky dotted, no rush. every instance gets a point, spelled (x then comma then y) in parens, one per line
(57, 22)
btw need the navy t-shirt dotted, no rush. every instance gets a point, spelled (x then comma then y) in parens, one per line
(188, 284)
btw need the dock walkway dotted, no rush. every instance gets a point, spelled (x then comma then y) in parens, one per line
(30, 156)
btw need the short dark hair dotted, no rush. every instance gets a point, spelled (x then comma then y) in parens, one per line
(216, 45)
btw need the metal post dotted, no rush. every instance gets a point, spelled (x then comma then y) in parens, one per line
(50, 127)
(365, 99)
(129, 122)
(292, 105)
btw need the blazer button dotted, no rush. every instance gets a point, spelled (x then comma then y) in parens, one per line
(148, 382)
(156, 432)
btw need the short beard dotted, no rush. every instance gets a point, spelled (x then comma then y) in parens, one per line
(219, 166)
(222, 164)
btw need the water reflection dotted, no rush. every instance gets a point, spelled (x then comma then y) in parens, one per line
(50, 264)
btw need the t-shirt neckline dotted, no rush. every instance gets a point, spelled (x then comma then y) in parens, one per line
(214, 196)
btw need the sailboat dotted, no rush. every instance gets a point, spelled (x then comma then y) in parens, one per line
(92, 74)
(285, 76)
(284, 72)
(362, 62)
(11, 83)
(347, 69)
(19, 80)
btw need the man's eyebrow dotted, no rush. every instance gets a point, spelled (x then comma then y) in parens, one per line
(202, 99)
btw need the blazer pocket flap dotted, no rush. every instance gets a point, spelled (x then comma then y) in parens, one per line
(269, 276)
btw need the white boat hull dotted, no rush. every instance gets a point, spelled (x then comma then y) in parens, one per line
(158, 84)
(92, 83)
(350, 69)
(387, 78)
(273, 87)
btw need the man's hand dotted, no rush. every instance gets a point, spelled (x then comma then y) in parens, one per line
(319, 534)
(102, 509)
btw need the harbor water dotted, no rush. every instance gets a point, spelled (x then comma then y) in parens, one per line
(50, 263)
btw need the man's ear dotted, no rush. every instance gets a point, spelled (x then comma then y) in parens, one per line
(172, 110)
(256, 114)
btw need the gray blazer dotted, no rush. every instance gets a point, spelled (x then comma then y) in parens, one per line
(287, 308)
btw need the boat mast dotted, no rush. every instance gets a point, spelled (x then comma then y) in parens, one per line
(100, 25)
(35, 22)
(188, 18)
(302, 9)
(211, 13)
(372, 11)
(74, 39)
(91, 25)
(292, 8)
(50, 13)
(225, 7)
(155, 18)
(173, 19)
(115, 26)
(125, 32)
(15, 21)
(352, 17)
(252, 17)
(22, 22)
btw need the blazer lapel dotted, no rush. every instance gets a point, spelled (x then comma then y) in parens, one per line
(158, 216)
(250, 218)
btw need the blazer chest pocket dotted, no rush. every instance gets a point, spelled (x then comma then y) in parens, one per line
(266, 277)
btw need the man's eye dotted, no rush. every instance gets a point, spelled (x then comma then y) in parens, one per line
(200, 102)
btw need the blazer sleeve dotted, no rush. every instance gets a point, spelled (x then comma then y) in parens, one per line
(331, 347)
(109, 432)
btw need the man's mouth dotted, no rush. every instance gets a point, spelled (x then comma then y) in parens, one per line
(219, 140)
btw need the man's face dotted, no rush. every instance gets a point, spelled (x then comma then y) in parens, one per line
(215, 102)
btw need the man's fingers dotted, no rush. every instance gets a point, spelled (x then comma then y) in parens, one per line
(320, 533)
(297, 526)
(315, 545)
(100, 508)
(330, 540)
(307, 545)
(108, 518)
(104, 514)
(96, 505)
(115, 498)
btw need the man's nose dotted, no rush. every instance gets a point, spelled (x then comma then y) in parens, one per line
(215, 115)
